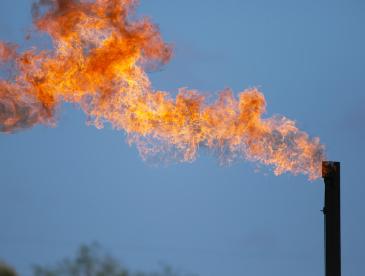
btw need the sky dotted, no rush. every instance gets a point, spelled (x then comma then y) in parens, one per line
(73, 184)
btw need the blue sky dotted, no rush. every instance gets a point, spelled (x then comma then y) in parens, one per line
(73, 184)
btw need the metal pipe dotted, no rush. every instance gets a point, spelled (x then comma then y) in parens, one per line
(332, 217)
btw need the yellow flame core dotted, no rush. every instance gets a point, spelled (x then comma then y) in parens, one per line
(98, 61)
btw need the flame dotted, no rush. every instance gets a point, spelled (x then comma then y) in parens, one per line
(98, 60)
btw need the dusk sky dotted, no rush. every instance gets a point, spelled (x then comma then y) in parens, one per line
(71, 184)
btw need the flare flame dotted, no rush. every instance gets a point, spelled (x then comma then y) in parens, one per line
(97, 61)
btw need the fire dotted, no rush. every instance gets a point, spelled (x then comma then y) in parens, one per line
(97, 61)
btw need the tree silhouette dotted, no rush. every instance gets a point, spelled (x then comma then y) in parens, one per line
(6, 270)
(91, 261)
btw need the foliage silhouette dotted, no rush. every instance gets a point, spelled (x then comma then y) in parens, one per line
(91, 261)
(6, 270)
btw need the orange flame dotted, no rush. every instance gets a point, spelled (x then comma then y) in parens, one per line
(98, 60)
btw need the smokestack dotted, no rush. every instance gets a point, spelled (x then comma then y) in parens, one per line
(332, 217)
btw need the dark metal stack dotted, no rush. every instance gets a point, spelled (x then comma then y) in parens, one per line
(332, 217)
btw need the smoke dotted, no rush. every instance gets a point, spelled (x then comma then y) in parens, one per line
(99, 60)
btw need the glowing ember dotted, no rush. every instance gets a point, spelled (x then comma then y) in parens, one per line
(98, 60)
